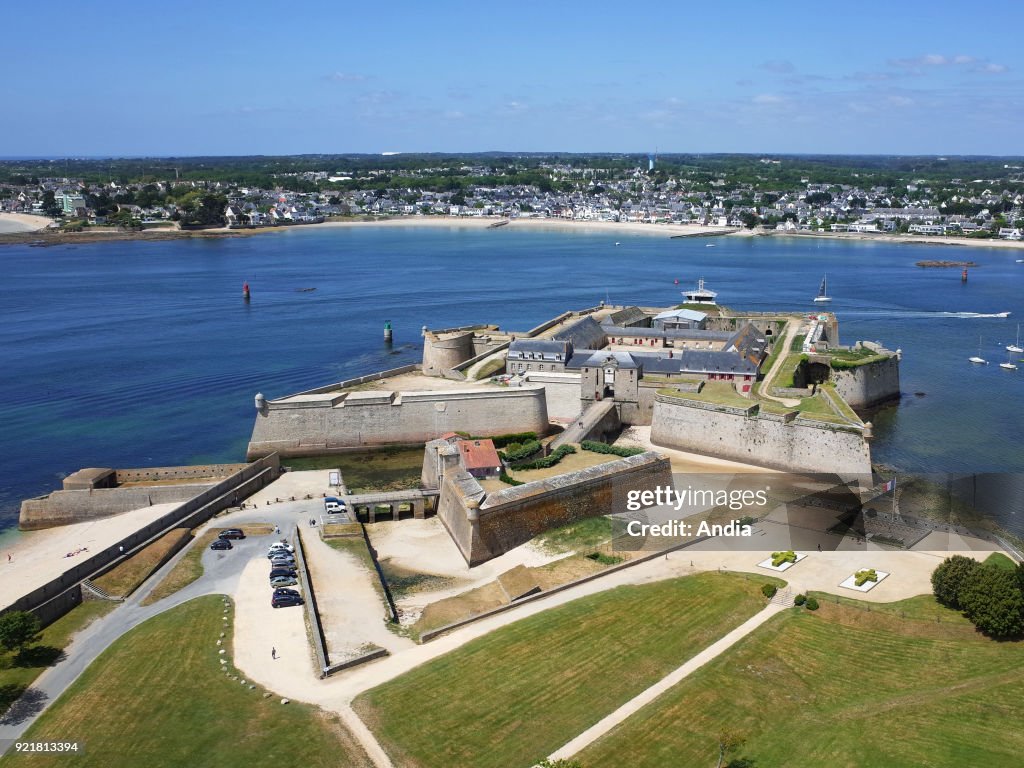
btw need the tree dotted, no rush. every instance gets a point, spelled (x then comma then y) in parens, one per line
(991, 598)
(949, 578)
(750, 220)
(18, 629)
(546, 763)
(728, 741)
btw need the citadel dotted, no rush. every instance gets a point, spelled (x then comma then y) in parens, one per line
(701, 378)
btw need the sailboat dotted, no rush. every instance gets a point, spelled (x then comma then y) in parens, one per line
(1015, 347)
(978, 359)
(823, 296)
(1008, 365)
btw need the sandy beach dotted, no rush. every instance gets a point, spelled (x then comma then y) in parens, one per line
(14, 223)
(14, 229)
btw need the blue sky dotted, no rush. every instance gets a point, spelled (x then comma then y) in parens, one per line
(119, 78)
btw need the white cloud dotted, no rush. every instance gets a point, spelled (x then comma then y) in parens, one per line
(346, 77)
(768, 98)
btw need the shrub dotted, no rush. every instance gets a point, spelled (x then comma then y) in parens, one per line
(950, 576)
(800, 599)
(507, 478)
(747, 520)
(812, 604)
(501, 441)
(991, 598)
(520, 452)
(778, 558)
(868, 574)
(614, 450)
(547, 461)
(769, 590)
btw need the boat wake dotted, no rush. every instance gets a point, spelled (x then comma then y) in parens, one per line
(913, 315)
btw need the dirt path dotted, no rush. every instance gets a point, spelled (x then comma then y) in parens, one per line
(792, 329)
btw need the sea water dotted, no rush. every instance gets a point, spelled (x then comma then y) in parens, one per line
(128, 354)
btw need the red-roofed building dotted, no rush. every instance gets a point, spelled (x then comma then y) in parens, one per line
(480, 458)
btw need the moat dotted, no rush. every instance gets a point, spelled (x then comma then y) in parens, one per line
(134, 354)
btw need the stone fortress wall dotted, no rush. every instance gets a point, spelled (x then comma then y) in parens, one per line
(870, 384)
(766, 439)
(304, 425)
(484, 525)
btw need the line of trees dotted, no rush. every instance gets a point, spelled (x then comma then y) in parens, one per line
(991, 597)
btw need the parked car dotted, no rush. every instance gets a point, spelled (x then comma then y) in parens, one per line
(282, 562)
(232, 533)
(280, 601)
(283, 581)
(291, 572)
(279, 553)
(280, 546)
(333, 505)
(221, 544)
(287, 591)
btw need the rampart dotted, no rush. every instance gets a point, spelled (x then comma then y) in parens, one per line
(787, 442)
(59, 595)
(79, 506)
(304, 425)
(485, 526)
(869, 384)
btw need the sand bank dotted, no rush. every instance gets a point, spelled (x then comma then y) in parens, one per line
(14, 223)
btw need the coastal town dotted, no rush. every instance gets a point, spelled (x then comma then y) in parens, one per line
(777, 194)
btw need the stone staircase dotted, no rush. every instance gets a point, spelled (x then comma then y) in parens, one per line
(98, 592)
(783, 597)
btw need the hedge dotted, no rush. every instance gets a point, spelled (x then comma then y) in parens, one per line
(769, 590)
(799, 599)
(615, 450)
(812, 604)
(508, 479)
(519, 452)
(778, 558)
(547, 461)
(500, 441)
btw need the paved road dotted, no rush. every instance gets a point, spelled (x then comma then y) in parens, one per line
(221, 572)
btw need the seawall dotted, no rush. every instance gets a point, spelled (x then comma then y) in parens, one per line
(870, 384)
(317, 423)
(765, 439)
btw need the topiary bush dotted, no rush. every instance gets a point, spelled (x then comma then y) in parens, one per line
(799, 599)
(778, 558)
(769, 590)
(868, 574)
(547, 461)
(521, 451)
(812, 604)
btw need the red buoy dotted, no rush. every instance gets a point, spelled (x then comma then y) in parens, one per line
(245, 291)
(963, 276)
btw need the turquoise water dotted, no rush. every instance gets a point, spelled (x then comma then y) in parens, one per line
(139, 353)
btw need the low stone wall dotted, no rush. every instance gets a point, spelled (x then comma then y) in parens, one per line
(485, 526)
(52, 600)
(792, 444)
(869, 384)
(67, 507)
(348, 420)
(337, 386)
(561, 392)
(156, 474)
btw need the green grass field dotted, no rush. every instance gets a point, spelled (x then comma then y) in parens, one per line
(516, 695)
(18, 672)
(840, 687)
(157, 697)
(386, 469)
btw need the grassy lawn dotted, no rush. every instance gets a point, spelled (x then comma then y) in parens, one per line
(190, 567)
(387, 469)
(126, 577)
(719, 392)
(582, 534)
(17, 673)
(515, 695)
(999, 560)
(158, 697)
(490, 368)
(569, 463)
(784, 377)
(842, 688)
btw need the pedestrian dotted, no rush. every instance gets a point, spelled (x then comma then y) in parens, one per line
(273, 653)
(277, 529)
(8, 557)
(819, 547)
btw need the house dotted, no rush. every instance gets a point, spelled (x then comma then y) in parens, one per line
(479, 458)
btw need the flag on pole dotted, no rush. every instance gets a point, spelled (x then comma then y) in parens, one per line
(889, 486)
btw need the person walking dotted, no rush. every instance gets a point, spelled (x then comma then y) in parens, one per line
(273, 653)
